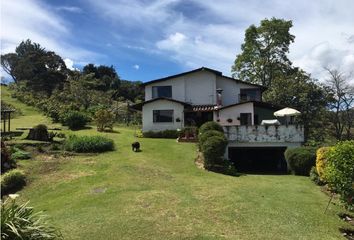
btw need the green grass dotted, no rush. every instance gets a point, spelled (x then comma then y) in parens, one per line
(160, 194)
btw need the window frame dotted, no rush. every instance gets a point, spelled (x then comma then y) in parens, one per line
(158, 93)
(157, 118)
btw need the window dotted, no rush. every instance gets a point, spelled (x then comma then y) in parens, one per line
(163, 115)
(249, 94)
(246, 118)
(162, 91)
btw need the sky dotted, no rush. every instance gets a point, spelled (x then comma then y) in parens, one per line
(146, 40)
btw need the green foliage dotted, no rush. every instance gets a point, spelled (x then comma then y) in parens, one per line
(75, 120)
(210, 126)
(40, 70)
(264, 52)
(19, 222)
(315, 177)
(19, 154)
(87, 144)
(300, 160)
(173, 134)
(339, 171)
(12, 181)
(39, 133)
(205, 135)
(104, 120)
(298, 90)
(213, 150)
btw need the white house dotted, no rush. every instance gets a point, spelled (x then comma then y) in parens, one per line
(201, 95)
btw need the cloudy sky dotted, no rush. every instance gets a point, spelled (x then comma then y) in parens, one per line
(145, 39)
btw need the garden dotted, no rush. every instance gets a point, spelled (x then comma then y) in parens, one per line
(89, 184)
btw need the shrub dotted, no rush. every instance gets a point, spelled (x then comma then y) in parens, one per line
(213, 150)
(7, 162)
(204, 136)
(82, 144)
(210, 126)
(188, 132)
(21, 222)
(19, 154)
(315, 177)
(12, 181)
(339, 171)
(38, 133)
(161, 134)
(300, 160)
(104, 120)
(321, 158)
(75, 120)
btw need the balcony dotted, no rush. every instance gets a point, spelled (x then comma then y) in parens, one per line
(265, 134)
(246, 98)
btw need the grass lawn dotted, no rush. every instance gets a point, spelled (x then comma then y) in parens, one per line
(160, 194)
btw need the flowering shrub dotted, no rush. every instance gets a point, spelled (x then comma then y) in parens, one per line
(339, 171)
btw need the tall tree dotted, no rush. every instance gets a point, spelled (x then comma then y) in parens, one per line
(39, 69)
(298, 90)
(264, 52)
(342, 104)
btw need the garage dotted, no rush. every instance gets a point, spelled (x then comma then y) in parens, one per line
(258, 159)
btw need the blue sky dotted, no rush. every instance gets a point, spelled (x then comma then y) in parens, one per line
(145, 40)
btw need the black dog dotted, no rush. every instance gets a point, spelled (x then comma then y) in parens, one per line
(136, 147)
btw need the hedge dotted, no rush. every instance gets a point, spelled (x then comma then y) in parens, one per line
(321, 158)
(173, 134)
(210, 126)
(213, 150)
(87, 144)
(300, 160)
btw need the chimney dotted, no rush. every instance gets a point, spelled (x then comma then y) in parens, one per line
(219, 97)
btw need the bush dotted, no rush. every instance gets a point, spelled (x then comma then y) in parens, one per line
(204, 136)
(12, 181)
(321, 158)
(188, 132)
(7, 162)
(339, 171)
(19, 154)
(104, 120)
(39, 133)
(75, 120)
(315, 177)
(93, 144)
(20, 222)
(300, 160)
(173, 134)
(210, 126)
(213, 150)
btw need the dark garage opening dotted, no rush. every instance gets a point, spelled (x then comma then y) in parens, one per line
(259, 159)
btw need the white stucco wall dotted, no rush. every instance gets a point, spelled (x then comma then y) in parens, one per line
(234, 113)
(195, 88)
(149, 125)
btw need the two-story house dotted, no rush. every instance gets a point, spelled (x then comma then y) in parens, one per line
(201, 95)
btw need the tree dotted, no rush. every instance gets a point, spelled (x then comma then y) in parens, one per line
(8, 61)
(109, 79)
(264, 52)
(298, 90)
(341, 106)
(40, 70)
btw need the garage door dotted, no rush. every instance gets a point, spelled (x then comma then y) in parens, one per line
(258, 159)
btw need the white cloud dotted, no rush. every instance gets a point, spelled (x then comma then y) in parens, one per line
(136, 67)
(69, 63)
(29, 19)
(213, 35)
(72, 9)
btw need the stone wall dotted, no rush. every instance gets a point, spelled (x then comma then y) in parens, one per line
(265, 134)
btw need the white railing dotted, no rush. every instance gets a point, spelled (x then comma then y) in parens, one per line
(265, 134)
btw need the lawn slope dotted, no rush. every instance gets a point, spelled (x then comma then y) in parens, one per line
(160, 194)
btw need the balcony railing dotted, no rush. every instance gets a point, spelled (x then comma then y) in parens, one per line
(245, 98)
(265, 134)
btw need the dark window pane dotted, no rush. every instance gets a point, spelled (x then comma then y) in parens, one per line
(163, 115)
(246, 118)
(162, 91)
(250, 94)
